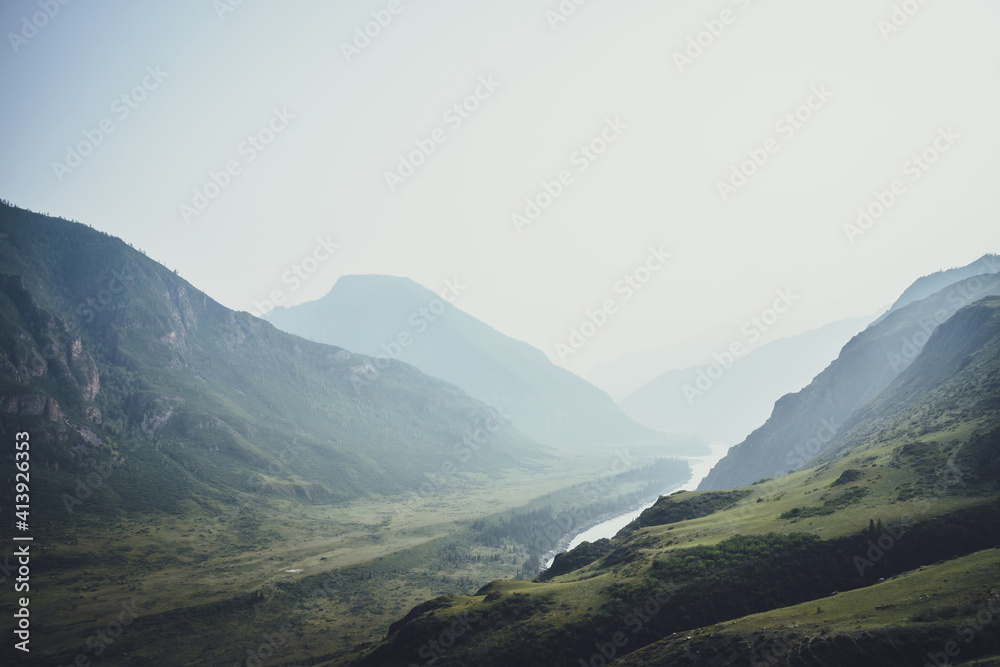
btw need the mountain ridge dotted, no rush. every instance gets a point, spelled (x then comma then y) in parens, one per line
(743, 394)
(805, 422)
(896, 544)
(138, 347)
(395, 317)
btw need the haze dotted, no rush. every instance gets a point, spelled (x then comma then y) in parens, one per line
(200, 79)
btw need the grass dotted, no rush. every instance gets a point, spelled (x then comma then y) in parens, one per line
(589, 600)
(184, 567)
(875, 496)
(897, 622)
(961, 586)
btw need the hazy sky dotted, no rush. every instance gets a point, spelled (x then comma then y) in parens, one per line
(833, 106)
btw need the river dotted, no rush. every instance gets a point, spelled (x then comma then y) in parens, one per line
(700, 466)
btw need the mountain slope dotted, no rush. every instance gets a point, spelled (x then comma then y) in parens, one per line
(935, 282)
(956, 377)
(103, 347)
(397, 318)
(225, 479)
(679, 586)
(903, 621)
(626, 375)
(804, 423)
(727, 409)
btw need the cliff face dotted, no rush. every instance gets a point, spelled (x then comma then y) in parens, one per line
(30, 405)
(42, 351)
(805, 423)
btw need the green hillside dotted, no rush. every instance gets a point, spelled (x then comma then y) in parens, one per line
(220, 479)
(128, 350)
(910, 486)
(235, 481)
(804, 423)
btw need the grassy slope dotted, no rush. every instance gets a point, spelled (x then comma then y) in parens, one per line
(588, 598)
(207, 402)
(195, 580)
(238, 452)
(866, 366)
(920, 469)
(897, 622)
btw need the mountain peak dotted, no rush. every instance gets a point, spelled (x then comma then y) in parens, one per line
(396, 317)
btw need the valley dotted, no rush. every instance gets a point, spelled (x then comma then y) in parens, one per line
(911, 483)
(587, 371)
(700, 467)
(177, 569)
(199, 472)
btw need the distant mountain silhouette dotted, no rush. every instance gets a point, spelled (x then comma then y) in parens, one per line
(397, 318)
(727, 409)
(804, 423)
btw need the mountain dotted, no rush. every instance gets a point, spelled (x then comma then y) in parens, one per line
(626, 375)
(804, 423)
(741, 395)
(230, 487)
(956, 376)
(101, 347)
(883, 553)
(935, 282)
(396, 318)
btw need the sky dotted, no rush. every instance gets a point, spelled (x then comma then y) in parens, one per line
(677, 166)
